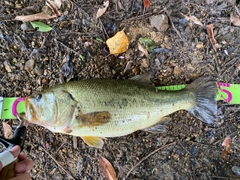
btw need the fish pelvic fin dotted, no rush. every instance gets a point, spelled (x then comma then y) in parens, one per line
(93, 141)
(205, 91)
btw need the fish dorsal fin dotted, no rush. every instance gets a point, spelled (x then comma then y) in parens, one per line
(93, 141)
(143, 78)
(94, 118)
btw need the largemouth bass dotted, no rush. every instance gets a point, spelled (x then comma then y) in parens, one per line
(98, 108)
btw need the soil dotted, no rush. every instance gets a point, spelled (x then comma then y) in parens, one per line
(32, 61)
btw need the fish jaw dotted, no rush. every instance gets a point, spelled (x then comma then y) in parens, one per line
(30, 111)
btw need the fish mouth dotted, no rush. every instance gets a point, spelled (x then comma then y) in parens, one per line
(30, 111)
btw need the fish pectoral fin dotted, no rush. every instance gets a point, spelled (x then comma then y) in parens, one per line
(93, 141)
(94, 118)
(159, 127)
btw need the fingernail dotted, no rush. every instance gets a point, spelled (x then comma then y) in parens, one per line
(15, 151)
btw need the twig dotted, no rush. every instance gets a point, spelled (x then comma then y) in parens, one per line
(174, 28)
(104, 30)
(220, 177)
(201, 144)
(145, 15)
(67, 47)
(56, 162)
(184, 148)
(59, 148)
(224, 138)
(129, 172)
(237, 10)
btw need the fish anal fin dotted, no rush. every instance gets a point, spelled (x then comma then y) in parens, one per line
(94, 118)
(93, 141)
(159, 127)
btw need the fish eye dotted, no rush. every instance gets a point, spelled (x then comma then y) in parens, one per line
(38, 97)
(69, 96)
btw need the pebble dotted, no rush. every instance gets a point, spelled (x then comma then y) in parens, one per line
(29, 65)
(199, 45)
(38, 70)
(176, 71)
(145, 63)
(160, 22)
(236, 170)
(7, 67)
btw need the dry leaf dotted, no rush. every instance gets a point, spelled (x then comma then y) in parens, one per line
(34, 17)
(118, 43)
(101, 11)
(211, 36)
(53, 171)
(235, 20)
(7, 130)
(146, 3)
(143, 50)
(226, 146)
(107, 169)
(193, 19)
(226, 142)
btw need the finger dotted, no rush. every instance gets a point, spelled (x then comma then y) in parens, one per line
(23, 166)
(24, 176)
(15, 152)
(22, 156)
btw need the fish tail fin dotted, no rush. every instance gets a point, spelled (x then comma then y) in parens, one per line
(205, 91)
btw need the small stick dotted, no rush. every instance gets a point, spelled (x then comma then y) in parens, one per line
(174, 28)
(220, 177)
(237, 10)
(184, 148)
(129, 172)
(233, 133)
(56, 162)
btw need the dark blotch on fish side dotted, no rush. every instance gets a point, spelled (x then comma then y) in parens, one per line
(94, 118)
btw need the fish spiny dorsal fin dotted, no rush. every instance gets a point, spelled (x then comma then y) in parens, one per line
(143, 78)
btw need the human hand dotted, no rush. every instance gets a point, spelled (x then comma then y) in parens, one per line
(23, 166)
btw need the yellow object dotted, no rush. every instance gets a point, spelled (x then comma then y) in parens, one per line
(118, 43)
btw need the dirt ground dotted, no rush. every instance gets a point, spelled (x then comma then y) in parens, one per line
(33, 61)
